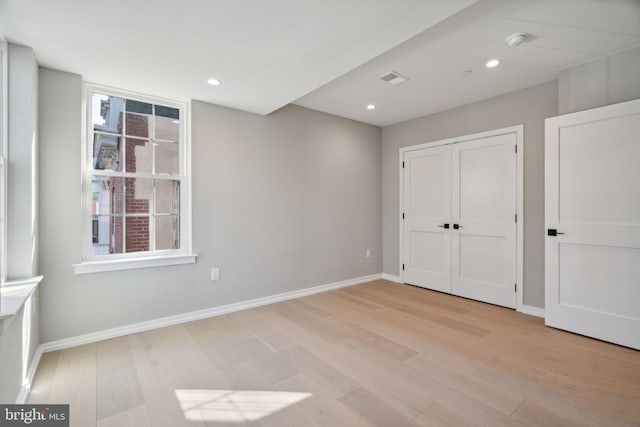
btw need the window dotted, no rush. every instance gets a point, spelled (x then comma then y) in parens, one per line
(136, 182)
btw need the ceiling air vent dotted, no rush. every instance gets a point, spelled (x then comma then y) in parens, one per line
(393, 78)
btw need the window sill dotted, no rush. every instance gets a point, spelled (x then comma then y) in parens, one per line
(14, 294)
(132, 263)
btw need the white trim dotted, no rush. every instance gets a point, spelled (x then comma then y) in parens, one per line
(391, 278)
(200, 314)
(131, 263)
(25, 389)
(463, 138)
(519, 132)
(520, 213)
(531, 310)
(400, 219)
(13, 295)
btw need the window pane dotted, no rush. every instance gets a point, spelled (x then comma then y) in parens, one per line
(106, 235)
(167, 232)
(138, 233)
(139, 107)
(138, 194)
(138, 125)
(139, 155)
(106, 113)
(106, 152)
(167, 158)
(167, 196)
(106, 195)
(167, 128)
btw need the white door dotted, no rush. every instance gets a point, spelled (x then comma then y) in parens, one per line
(483, 217)
(427, 207)
(592, 254)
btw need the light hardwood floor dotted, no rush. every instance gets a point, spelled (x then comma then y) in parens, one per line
(374, 354)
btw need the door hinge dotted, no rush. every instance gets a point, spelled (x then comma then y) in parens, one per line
(516, 217)
(516, 147)
(515, 287)
(402, 215)
(402, 165)
(402, 267)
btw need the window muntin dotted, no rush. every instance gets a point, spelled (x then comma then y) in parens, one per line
(136, 176)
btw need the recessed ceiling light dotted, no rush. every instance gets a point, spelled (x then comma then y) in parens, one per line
(214, 82)
(492, 63)
(371, 107)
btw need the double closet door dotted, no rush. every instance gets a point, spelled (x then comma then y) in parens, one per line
(459, 223)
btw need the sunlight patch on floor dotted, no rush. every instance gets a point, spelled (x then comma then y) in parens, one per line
(234, 406)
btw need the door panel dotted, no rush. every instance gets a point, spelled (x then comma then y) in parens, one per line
(592, 278)
(484, 206)
(586, 198)
(586, 288)
(478, 260)
(481, 174)
(427, 204)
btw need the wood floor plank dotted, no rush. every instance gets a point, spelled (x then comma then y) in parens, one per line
(320, 407)
(379, 353)
(403, 307)
(273, 368)
(159, 377)
(136, 416)
(311, 324)
(370, 340)
(407, 400)
(269, 336)
(438, 415)
(117, 385)
(219, 340)
(476, 388)
(375, 411)
(43, 379)
(540, 411)
(74, 383)
(322, 372)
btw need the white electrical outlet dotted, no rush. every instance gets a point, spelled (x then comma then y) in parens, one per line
(368, 253)
(215, 273)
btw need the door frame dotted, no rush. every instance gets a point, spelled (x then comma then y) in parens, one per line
(518, 130)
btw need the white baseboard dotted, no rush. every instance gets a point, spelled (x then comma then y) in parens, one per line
(33, 367)
(197, 315)
(531, 310)
(391, 277)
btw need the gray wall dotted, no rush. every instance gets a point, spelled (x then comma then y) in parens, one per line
(529, 107)
(19, 341)
(280, 203)
(609, 80)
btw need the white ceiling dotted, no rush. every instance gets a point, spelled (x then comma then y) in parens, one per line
(565, 33)
(267, 53)
(324, 54)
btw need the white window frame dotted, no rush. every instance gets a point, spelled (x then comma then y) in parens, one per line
(4, 139)
(112, 262)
